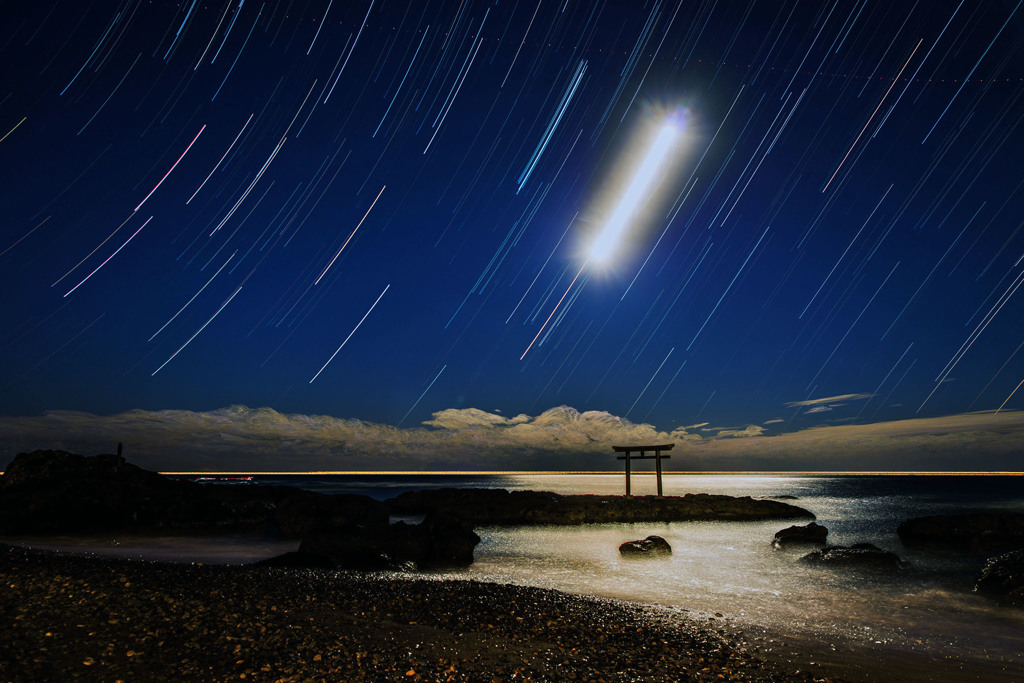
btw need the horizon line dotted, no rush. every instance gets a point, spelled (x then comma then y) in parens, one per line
(972, 473)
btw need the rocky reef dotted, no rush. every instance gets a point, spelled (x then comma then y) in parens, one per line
(55, 492)
(977, 532)
(498, 507)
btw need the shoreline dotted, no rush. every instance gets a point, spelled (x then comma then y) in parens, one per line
(68, 616)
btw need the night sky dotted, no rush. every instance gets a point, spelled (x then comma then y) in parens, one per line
(381, 210)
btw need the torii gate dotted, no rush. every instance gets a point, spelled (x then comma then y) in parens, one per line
(629, 450)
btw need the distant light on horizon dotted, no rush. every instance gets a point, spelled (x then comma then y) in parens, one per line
(638, 190)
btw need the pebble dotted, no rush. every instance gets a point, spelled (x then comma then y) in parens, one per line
(103, 620)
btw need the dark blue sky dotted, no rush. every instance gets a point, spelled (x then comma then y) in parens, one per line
(842, 217)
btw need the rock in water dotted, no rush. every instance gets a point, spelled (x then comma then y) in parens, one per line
(862, 555)
(987, 531)
(1003, 575)
(437, 542)
(650, 546)
(796, 535)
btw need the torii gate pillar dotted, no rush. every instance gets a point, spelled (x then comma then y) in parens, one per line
(643, 450)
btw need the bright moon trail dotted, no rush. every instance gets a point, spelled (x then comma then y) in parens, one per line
(638, 190)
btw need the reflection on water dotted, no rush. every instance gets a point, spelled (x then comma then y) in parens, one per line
(730, 567)
(726, 567)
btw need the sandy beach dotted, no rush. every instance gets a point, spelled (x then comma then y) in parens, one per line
(67, 617)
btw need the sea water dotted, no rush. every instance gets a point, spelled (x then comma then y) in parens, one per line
(730, 568)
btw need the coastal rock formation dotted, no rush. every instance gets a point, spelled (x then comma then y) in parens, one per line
(46, 492)
(1003, 575)
(859, 555)
(436, 542)
(811, 533)
(498, 507)
(981, 532)
(651, 546)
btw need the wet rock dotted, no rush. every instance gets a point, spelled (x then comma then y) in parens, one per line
(859, 555)
(981, 532)
(812, 533)
(55, 492)
(495, 507)
(651, 546)
(1003, 575)
(437, 542)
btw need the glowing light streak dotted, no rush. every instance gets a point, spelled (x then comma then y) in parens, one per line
(973, 337)
(193, 298)
(110, 257)
(538, 151)
(870, 118)
(117, 17)
(238, 10)
(251, 185)
(23, 118)
(365, 316)
(178, 34)
(1008, 398)
(353, 49)
(171, 168)
(552, 312)
(649, 381)
(731, 283)
(226, 302)
(456, 88)
(968, 77)
(317, 281)
(214, 35)
(318, 28)
(635, 193)
(521, 43)
(244, 126)
(408, 69)
(421, 396)
(18, 241)
(932, 272)
(244, 43)
(108, 97)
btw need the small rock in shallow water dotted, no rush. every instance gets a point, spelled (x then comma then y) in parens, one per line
(652, 545)
(863, 555)
(808, 533)
(1003, 575)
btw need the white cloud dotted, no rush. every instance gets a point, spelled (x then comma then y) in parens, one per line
(828, 399)
(238, 438)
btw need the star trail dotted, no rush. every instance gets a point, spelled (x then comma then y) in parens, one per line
(202, 199)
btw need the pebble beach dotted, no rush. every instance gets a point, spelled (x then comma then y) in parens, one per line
(67, 617)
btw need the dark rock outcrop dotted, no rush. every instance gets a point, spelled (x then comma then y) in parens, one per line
(1003, 575)
(859, 555)
(55, 492)
(298, 559)
(980, 532)
(436, 542)
(812, 533)
(652, 546)
(498, 507)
